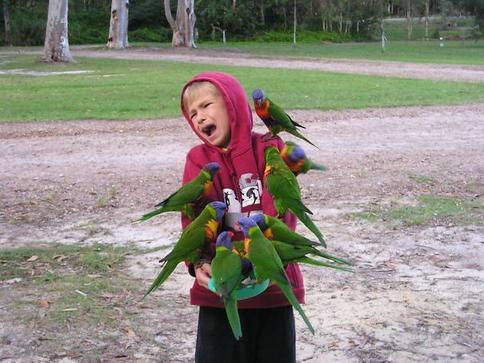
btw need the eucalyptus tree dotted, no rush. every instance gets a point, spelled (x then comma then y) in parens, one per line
(56, 45)
(183, 26)
(118, 25)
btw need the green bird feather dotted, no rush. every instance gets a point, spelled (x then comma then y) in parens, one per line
(294, 253)
(268, 265)
(284, 188)
(193, 239)
(227, 275)
(275, 229)
(274, 117)
(186, 198)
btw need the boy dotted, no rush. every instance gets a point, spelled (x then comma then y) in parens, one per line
(218, 111)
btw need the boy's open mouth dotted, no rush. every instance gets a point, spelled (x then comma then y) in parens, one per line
(209, 129)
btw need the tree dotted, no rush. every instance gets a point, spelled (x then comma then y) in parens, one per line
(118, 27)
(56, 45)
(183, 27)
(7, 22)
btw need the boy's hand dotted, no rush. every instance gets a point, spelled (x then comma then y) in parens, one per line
(203, 272)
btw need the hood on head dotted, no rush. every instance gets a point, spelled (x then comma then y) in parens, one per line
(238, 108)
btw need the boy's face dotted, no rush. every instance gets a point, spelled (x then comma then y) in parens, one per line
(209, 116)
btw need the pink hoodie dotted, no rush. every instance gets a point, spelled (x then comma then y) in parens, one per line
(239, 183)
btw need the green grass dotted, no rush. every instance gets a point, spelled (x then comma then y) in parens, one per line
(453, 52)
(126, 89)
(77, 281)
(429, 209)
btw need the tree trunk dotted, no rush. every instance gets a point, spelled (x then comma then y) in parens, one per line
(7, 23)
(409, 19)
(183, 27)
(56, 45)
(262, 16)
(118, 26)
(295, 24)
(427, 10)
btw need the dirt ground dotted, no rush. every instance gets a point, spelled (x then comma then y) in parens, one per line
(416, 296)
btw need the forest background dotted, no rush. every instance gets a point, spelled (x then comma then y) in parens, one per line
(259, 20)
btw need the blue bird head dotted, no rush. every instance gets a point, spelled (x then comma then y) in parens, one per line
(212, 168)
(260, 220)
(220, 209)
(297, 154)
(225, 239)
(246, 223)
(258, 95)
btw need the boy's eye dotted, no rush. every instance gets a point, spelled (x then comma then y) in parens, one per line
(207, 104)
(193, 115)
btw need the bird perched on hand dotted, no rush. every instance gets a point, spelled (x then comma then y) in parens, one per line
(227, 275)
(201, 231)
(185, 198)
(267, 263)
(296, 159)
(284, 188)
(274, 116)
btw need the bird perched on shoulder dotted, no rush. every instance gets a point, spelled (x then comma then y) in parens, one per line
(267, 263)
(284, 188)
(185, 199)
(274, 116)
(296, 159)
(194, 238)
(227, 275)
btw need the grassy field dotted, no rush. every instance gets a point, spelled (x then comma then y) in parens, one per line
(121, 89)
(453, 52)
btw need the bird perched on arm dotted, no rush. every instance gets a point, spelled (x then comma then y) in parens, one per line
(274, 116)
(193, 239)
(284, 188)
(185, 198)
(290, 245)
(296, 159)
(227, 275)
(275, 229)
(267, 263)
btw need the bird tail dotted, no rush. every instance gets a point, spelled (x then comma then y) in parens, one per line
(168, 268)
(331, 257)
(301, 136)
(306, 220)
(151, 214)
(316, 166)
(286, 289)
(314, 262)
(233, 316)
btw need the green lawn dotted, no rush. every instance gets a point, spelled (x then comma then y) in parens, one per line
(125, 89)
(453, 52)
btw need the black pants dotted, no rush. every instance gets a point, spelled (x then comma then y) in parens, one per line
(268, 335)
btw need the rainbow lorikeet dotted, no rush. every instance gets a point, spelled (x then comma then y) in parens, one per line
(227, 275)
(275, 229)
(194, 238)
(267, 263)
(296, 159)
(274, 116)
(284, 188)
(186, 198)
(289, 244)
(296, 253)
